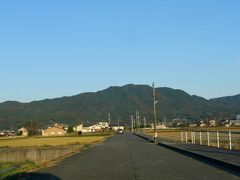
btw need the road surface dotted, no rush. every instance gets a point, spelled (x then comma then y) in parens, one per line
(128, 157)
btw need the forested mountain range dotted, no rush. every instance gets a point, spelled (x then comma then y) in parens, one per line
(121, 102)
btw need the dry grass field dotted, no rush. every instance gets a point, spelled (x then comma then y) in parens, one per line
(50, 141)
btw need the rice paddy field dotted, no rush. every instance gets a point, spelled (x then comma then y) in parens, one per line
(51, 141)
(11, 168)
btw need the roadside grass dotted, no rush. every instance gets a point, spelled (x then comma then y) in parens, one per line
(11, 168)
(51, 141)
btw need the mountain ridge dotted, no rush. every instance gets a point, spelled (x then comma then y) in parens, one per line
(121, 101)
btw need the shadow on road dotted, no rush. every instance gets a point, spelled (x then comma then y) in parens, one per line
(32, 176)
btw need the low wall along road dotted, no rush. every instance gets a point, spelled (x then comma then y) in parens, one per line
(36, 154)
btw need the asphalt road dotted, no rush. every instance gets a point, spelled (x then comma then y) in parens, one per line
(128, 157)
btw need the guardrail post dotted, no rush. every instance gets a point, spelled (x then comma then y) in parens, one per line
(218, 143)
(192, 136)
(230, 140)
(208, 138)
(186, 135)
(181, 136)
(200, 137)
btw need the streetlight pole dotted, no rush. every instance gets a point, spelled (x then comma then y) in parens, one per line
(155, 114)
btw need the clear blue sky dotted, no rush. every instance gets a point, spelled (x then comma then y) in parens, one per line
(60, 48)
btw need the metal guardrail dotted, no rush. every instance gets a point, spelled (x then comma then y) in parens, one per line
(224, 139)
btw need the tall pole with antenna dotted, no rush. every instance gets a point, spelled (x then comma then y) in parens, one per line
(155, 114)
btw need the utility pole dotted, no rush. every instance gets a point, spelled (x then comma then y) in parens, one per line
(155, 114)
(139, 123)
(118, 123)
(132, 122)
(144, 122)
(136, 119)
(31, 129)
(109, 118)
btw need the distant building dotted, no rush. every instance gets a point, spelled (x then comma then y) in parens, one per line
(23, 131)
(225, 123)
(78, 128)
(2, 133)
(202, 124)
(159, 126)
(63, 126)
(235, 123)
(54, 131)
(192, 125)
(7, 133)
(92, 129)
(212, 123)
(104, 124)
(99, 127)
(87, 130)
(116, 128)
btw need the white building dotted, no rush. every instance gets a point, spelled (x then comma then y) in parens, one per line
(23, 131)
(159, 126)
(104, 124)
(95, 128)
(78, 128)
(54, 131)
(116, 128)
(212, 123)
(193, 125)
(235, 122)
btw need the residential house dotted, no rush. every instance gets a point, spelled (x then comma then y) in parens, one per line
(192, 125)
(54, 131)
(212, 123)
(2, 133)
(202, 124)
(104, 125)
(78, 128)
(93, 128)
(23, 131)
(87, 130)
(116, 128)
(159, 126)
(101, 126)
(225, 123)
(235, 123)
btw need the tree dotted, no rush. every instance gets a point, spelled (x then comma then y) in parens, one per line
(32, 127)
(70, 130)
